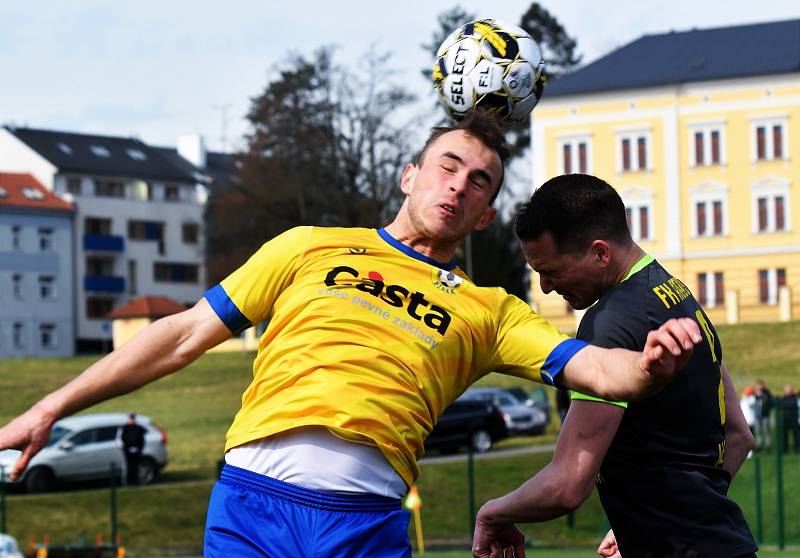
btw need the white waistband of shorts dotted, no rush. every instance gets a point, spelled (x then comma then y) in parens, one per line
(316, 458)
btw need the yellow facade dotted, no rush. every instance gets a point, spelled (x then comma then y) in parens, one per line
(714, 202)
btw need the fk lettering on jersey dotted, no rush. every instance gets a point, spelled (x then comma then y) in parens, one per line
(395, 295)
(672, 291)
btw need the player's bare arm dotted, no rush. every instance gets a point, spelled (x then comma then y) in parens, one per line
(563, 484)
(738, 438)
(623, 375)
(163, 347)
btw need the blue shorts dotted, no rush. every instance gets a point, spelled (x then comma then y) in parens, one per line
(252, 515)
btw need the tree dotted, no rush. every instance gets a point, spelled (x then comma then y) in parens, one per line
(323, 149)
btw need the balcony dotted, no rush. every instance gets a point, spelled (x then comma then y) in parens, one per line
(103, 284)
(103, 243)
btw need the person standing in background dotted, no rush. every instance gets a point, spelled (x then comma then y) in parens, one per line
(790, 423)
(763, 409)
(132, 446)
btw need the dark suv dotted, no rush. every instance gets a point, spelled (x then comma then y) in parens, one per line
(472, 424)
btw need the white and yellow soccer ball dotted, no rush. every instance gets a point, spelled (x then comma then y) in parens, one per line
(489, 65)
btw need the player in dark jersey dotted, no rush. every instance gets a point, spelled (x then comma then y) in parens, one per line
(664, 463)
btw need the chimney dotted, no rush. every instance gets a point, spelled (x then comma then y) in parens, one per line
(192, 148)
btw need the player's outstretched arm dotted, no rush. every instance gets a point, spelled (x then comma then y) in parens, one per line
(558, 488)
(163, 347)
(738, 438)
(623, 375)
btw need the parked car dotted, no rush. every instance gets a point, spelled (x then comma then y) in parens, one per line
(536, 398)
(87, 447)
(466, 423)
(8, 547)
(520, 418)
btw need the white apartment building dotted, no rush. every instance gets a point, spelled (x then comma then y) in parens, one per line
(138, 227)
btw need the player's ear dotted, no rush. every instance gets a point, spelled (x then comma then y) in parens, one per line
(407, 180)
(600, 251)
(486, 219)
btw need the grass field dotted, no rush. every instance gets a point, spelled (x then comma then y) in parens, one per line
(197, 405)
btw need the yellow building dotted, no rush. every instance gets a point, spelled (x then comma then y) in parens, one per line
(699, 132)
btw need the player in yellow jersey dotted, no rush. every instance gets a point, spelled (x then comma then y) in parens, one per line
(372, 334)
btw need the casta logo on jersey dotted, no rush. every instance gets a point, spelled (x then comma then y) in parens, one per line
(415, 304)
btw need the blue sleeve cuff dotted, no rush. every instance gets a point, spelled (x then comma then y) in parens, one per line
(558, 359)
(227, 311)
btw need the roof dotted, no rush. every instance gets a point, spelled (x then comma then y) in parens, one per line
(220, 167)
(24, 191)
(102, 155)
(148, 307)
(689, 56)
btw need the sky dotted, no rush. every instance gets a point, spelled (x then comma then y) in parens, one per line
(159, 70)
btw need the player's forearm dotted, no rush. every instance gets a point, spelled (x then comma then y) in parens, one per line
(611, 374)
(738, 438)
(545, 496)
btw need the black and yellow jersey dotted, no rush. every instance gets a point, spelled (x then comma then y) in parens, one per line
(371, 339)
(661, 483)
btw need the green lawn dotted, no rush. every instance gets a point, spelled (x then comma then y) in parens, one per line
(197, 405)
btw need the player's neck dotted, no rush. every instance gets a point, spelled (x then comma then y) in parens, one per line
(629, 258)
(418, 241)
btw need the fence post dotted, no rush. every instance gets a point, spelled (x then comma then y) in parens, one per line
(114, 480)
(759, 523)
(3, 499)
(471, 481)
(779, 437)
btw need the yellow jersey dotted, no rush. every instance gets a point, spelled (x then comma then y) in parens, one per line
(371, 339)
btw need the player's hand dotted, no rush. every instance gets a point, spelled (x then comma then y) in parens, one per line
(669, 347)
(28, 432)
(497, 540)
(608, 548)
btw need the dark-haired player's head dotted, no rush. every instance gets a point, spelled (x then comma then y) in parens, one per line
(481, 125)
(574, 233)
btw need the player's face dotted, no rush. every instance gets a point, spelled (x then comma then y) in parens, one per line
(449, 192)
(576, 277)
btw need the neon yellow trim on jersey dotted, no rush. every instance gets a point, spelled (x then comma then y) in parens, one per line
(371, 342)
(643, 262)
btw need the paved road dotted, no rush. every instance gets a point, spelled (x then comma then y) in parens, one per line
(494, 454)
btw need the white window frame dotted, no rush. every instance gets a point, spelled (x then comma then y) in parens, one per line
(633, 135)
(18, 335)
(772, 286)
(635, 198)
(574, 140)
(706, 128)
(18, 286)
(16, 238)
(711, 288)
(44, 280)
(46, 236)
(771, 188)
(53, 336)
(769, 122)
(708, 193)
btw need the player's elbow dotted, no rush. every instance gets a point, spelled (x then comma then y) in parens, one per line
(573, 494)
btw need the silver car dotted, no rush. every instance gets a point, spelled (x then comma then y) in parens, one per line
(88, 447)
(520, 418)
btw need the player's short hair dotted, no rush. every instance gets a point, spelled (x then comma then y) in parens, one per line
(575, 209)
(481, 125)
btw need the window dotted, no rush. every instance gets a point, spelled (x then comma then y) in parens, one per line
(18, 335)
(109, 189)
(708, 218)
(100, 151)
(98, 308)
(136, 154)
(164, 272)
(47, 336)
(16, 285)
(706, 145)
(83, 438)
(16, 237)
(141, 190)
(45, 239)
(711, 289)
(66, 149)
(132, 285)
(634, 152)
(769, 139)
(146, 230)
(32, 193)
(97, 225)
(172, 192)
(74, 185)
(575, 154)
(3, 192)
(46, 287)
(769, 283)
(99, 266)
(639, 212)
(106, 434)
(191, 233)
(771, 206)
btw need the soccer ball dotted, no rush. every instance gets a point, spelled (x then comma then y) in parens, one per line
(489, 65)
(449, 279)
